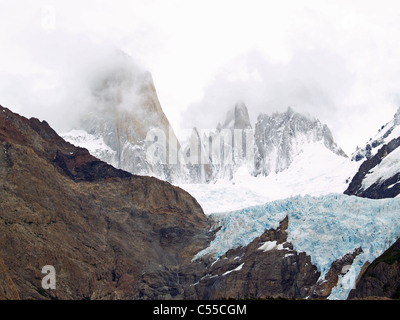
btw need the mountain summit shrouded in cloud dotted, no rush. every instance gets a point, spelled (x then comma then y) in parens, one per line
(126, 115)
(335, 60)
(266, 204)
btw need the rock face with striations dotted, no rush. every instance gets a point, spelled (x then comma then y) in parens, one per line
(125, 115)
(378, 177)
(252, 273)
(226, 148)
(267, 268)
(238, 117)
(109, 234)
(379, 174)
(385, 134)
(381, 278)
(8, 291)
(279, 138)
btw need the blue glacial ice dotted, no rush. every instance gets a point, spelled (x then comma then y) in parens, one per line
(326, 228)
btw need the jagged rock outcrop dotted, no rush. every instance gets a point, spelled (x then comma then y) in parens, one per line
(109, 234)
(238, 117)
(235, 139)
(266, 268)
(126, 115)
(379, 173)
(381, 278)
(339, 267)
(279, 138)
(386, 133)
(379, 176)
(215, 154)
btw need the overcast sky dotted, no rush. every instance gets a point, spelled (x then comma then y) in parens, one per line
(337, 60)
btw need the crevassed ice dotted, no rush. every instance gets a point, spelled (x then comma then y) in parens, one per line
(325, 227)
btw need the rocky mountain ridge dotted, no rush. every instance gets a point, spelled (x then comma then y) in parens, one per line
(109, 234)
(385, 134)
(60, 209)
(281, 137)
(268, 268)
(373, 180)
(112, 235)
(125, 116)
(126, 127)
(379, 172)
(378, 178)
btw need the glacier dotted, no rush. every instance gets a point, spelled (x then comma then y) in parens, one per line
(324, 227)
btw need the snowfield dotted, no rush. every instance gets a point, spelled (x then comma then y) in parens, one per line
(315, 171)
(95, 145)
(388, 167)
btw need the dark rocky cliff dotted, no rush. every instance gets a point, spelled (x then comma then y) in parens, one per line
(109, 234)
(113, 235)
(381, 278)
(276, 272)
(381, 188)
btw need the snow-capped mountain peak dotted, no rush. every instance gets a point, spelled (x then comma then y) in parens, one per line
(238, 117)
(385, 134)
(280, 138)
(379, 171)
(128, 118)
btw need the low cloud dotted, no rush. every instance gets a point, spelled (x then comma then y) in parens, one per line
(61, 76)
(305, 83)
(336, 60)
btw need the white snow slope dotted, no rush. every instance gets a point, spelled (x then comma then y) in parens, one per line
(315, 171)
(95, 145)
(386, 133)
(389, 166)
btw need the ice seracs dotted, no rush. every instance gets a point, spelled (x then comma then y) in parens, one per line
(325, 227)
